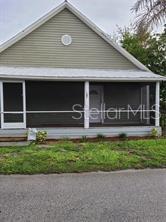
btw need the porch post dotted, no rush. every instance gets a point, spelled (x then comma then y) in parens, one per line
(157, 111)
(148, 103)
(86, 105)
(24, 104)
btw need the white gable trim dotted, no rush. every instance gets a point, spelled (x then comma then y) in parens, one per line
(84, 19)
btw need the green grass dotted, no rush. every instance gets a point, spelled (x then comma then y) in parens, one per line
(66, 156)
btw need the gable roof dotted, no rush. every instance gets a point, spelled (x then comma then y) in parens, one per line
(84, 19)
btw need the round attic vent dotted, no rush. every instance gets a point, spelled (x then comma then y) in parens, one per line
(66, 40)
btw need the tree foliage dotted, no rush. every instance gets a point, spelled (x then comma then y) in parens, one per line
(150, 49)
(149, 13)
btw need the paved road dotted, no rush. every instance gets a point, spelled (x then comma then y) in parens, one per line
(127, 196)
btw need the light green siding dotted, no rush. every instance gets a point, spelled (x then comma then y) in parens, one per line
(43, 47)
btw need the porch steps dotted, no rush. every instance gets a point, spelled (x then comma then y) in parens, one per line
(13, 135)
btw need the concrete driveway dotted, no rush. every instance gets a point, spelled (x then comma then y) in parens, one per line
(136, 196)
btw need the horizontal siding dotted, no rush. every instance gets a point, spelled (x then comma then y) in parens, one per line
(43, 47)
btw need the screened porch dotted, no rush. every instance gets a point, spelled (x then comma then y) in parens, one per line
(35, 104)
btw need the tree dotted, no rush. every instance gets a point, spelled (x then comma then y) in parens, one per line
(149, 13)
(149, 49)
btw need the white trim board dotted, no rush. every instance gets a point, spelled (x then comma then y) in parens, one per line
(84, 19)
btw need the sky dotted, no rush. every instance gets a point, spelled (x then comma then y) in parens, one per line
(15, 15)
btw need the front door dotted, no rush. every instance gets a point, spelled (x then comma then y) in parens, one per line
(96, 100)
(13, 105)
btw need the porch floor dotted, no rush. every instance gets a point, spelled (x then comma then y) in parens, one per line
(78, 132)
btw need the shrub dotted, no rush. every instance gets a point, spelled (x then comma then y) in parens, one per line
(154, 133)
(84, 139)
(41, 137)
(123, 136)
(100, 136)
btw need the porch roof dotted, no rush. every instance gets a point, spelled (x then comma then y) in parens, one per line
(77, 74)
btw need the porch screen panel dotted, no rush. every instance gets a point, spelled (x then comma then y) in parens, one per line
(124, 100)
(13, 102)
(52, 103)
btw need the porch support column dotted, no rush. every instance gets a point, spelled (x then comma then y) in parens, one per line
(86, 105)
(157, 111)
(24, 104)
(148, 103)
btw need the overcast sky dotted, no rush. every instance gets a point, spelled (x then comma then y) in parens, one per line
(15, 15)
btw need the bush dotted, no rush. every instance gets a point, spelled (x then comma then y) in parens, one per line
(123, 136)
(100, 136)
(41, 137)
(84, 139)
(154, 133)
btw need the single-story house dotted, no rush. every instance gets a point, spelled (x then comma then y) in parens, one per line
(64, 75)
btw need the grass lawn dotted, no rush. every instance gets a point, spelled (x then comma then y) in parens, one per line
(66, 156)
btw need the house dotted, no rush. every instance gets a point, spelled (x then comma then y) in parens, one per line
(64, 75)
